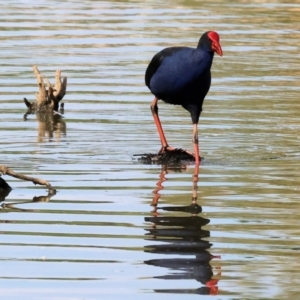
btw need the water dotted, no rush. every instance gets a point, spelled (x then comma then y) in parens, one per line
(99, 236)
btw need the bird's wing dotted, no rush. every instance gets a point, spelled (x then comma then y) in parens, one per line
(157, 60)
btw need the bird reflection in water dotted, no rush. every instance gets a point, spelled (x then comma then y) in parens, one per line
(50, 125)
(181, 234)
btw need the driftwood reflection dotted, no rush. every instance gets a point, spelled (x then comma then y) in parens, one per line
(177, 230)
(50, 125)
(12, 206)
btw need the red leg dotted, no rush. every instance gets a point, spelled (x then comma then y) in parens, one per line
(196, 144)
(195, 183)
(163, 140)
(154, 110)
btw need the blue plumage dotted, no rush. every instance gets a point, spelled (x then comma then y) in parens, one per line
(186, 72)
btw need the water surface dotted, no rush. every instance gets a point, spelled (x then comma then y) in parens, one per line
(99, 236)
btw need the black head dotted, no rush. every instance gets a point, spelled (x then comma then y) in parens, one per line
(210, 41)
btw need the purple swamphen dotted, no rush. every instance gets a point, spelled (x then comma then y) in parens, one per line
(181, 76)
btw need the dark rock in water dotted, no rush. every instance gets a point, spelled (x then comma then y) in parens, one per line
(169, 157)
(5, 189)
(4, 185)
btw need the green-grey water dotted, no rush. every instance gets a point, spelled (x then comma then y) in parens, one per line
(99, 236)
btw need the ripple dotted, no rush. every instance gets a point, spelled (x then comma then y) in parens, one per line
(116, 226)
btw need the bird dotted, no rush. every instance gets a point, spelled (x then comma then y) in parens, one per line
(181, 76)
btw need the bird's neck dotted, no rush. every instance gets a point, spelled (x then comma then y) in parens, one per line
(204, 57)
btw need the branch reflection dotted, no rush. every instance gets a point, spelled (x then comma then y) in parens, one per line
(177, 231)
(12, 206)
(50, 126)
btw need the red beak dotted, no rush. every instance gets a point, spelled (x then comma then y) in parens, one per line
(217, 48)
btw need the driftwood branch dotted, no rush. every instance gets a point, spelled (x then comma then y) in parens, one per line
(42, 95)
(60, 86)
(6, 171)
(48, 96)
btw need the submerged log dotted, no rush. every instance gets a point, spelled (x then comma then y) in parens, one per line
(6, 171)
(174, 157)
(49, 96)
